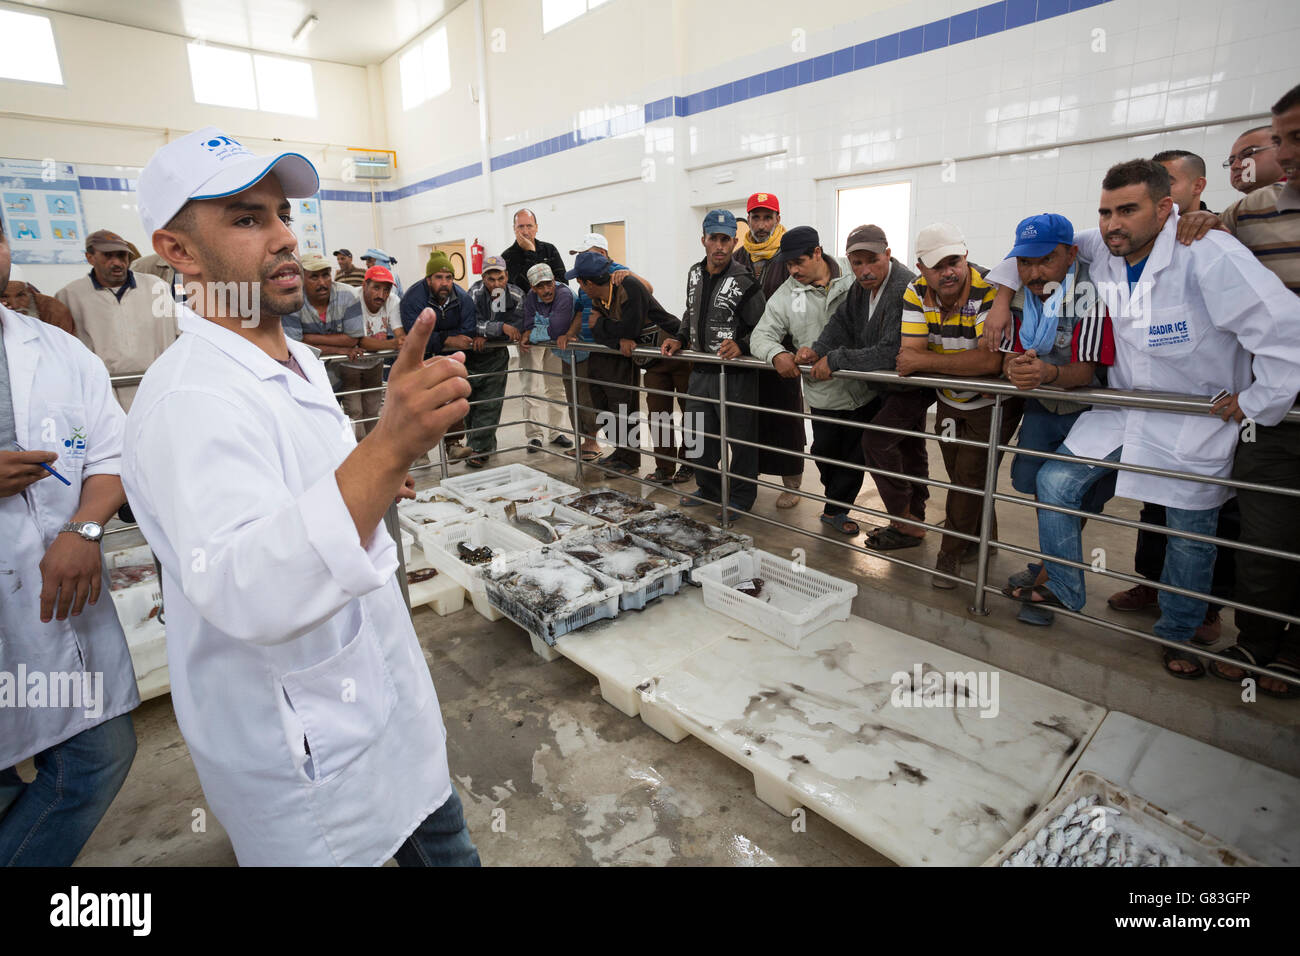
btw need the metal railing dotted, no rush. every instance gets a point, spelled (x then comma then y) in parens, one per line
(998, 389)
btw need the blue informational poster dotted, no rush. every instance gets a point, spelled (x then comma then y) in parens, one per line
(307, 226)
(41, 204)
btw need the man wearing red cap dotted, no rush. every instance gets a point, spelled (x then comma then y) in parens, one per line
(759, 252)
(382, 320)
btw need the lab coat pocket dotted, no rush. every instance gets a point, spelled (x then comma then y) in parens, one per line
(344, 702)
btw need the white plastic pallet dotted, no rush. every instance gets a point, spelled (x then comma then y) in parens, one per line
(815, 726)
(440, 593)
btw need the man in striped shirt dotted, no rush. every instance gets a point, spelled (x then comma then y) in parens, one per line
(943, 318)
(1267, 222)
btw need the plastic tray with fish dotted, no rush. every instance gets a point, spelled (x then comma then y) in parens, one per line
(1093, 822)
(446, 549)
(134, 585)
(431, 508)
(609, 504)
(776, 596)
(646, 570)
(700, 542)
(540, 518)
(549, 594)
(493, 489)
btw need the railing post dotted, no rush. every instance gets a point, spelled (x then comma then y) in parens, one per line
(986, 515)
(395, 529)
(574, 395)
(723, 455)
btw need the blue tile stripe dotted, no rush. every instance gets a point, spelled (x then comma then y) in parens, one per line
(959, 28)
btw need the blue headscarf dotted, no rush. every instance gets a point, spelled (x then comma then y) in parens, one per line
(1039, 319)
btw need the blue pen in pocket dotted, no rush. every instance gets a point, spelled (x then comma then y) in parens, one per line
(46, 467)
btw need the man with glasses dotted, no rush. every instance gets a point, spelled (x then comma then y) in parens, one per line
(1253, 162)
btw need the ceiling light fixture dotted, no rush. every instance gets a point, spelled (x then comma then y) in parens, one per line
(305, 27)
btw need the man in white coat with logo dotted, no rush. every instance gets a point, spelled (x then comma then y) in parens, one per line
(297, 678)
(66, 681)
(1204, 318)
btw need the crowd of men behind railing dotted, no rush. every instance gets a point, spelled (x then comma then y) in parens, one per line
(1163, 296)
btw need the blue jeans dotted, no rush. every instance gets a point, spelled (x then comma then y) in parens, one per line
(1188, 564)
(48, 821)
(441, 840)
(1043, 430)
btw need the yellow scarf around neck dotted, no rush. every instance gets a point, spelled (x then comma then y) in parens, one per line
(759, 251)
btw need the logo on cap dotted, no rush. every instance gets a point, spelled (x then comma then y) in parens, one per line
(1029, 232)
(761, 197)
(223, 147)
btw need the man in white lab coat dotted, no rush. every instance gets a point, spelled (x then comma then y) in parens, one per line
(297, 678)
(1186, 319)
(66, 682)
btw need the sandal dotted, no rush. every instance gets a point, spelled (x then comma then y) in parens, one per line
(685, 502)
(842, 524)
(1170, 655)
(1237, 653)
(890, 538)
(1025, 578)
(1292, 691)
(1026, 595)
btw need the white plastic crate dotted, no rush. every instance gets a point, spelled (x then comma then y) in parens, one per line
(565, 520)
(609, 505)
(432, 508)
(794, 602)
(684, 535)
(598, 604)
(1152, 827)
(637, 591)
(440, 548)
(490, 491)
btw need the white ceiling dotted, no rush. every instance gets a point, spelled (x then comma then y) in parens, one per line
(359, 32)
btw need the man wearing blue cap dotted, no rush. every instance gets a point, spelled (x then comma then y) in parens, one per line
(296, 676)
(624, 317)
(1063, 339)
(723, 304)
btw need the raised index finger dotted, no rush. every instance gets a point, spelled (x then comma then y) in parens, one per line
(411, 356)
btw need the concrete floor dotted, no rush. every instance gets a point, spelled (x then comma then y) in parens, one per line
(552, 775)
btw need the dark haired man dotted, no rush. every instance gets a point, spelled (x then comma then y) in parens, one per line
(624, 317)
(1187, 318)
(296, 675)
(1253, 164)
(1186, 178)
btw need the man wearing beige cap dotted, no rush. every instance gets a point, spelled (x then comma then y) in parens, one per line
(330, 317)
(943, 319)
(548, 314)
(125, 318)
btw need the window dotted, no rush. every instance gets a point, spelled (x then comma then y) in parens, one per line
(425, 70)
(29, 49)
(224, 77)
(888, 206)
(556, 13)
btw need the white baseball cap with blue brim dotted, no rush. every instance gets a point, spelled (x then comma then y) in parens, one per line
(208, 164)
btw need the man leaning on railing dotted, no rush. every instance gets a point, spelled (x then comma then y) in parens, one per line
(1186, 318)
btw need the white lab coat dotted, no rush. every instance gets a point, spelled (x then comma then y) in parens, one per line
(280, 625)
(62, 403)
(1211, 307)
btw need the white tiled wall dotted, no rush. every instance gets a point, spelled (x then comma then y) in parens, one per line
(988, 131)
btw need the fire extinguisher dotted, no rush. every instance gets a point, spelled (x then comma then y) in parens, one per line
(476, 257)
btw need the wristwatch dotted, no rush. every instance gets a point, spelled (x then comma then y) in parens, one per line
(90, 530)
